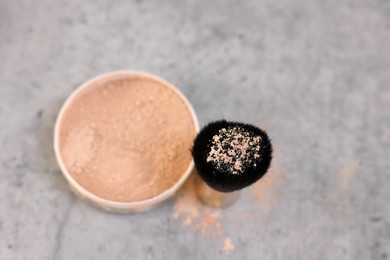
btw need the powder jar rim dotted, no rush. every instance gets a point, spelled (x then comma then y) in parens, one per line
(105, 204)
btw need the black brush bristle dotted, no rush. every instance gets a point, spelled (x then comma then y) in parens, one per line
(232, 172)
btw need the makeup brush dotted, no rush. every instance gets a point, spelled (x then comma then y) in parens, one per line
(229, 156)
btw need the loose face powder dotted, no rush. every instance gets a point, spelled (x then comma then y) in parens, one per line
(126, 137)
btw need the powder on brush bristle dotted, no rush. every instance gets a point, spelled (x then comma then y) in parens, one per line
(233, 149)
(230, 155)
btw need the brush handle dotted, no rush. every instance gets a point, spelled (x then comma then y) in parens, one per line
(213, 198)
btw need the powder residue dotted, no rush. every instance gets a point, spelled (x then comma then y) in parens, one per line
(342, 182)
(208, 222)
(344, 176)
(187, 204)
(80, 148)
(265, 192)
(126, 138)
(228, 245)
(195, 215)
(233, 149)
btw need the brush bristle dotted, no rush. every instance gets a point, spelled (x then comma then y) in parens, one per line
(230, 156)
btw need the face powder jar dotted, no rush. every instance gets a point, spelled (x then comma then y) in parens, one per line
(123, 140)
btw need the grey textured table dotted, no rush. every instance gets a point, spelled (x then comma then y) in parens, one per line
(316, 74)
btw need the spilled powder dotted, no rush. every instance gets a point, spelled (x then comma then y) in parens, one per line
(263, 191)
(187, 203)
(126, 138)
(228, 246)
(344, 176)
(208, 222)
(267, 191)
(342, 183)
(233, 149)
(194, 215)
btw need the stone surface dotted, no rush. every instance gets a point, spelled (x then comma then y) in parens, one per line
(316, 74)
